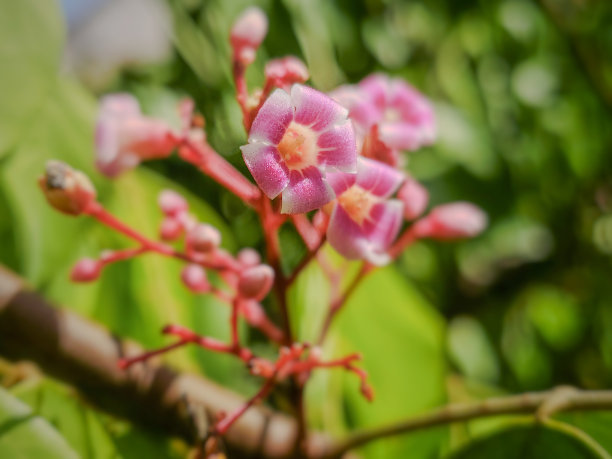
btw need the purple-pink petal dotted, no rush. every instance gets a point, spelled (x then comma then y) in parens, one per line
(315, 109)
(306, 191)
(338, 147)
(266, 167)
(378, 178)
(386, 220)
(344, 234)
(272, 119)
(340, 181)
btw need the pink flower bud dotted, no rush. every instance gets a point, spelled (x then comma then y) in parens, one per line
(247, 33)
(456, 220)
(194, 277)
(320, 221)
(415, 198)
(248, 257)
(203, 238)
(66, 189)
(256, 282)
(286, 71)
(170, 229)
(252, 311)
(171, 203)
(86, 270)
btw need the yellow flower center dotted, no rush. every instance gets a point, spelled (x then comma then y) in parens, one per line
(357, 202)
(298, 147)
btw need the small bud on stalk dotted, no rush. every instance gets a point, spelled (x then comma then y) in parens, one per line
(171, 203)
(285, 72)
(415, 198)
(194, 277)
(456, 220)
(86, 270)
(248, 257)
(256, 282)
(203, 238)
(67, 190)
(248, 32)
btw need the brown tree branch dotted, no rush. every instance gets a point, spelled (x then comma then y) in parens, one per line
(85, 355)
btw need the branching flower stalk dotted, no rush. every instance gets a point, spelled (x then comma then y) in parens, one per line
(330, 165)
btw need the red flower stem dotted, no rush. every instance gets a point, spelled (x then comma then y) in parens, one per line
(211, 163)
(242, 92)
(307, 232)
(98, 212)
(341, 300)
(128, 362)
(306, 260)
(404, 241)
(267, 327)
(223, 425)
(119, 255)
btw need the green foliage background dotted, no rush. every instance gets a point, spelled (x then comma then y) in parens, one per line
(523, 94)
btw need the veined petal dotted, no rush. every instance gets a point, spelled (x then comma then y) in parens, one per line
(344, 234)
(266, 167)
(378, 178)
(272, 119)
(340, 181)
(400, 135)
(338, 148)
(315, 109)
(306, 191)
(384, 223)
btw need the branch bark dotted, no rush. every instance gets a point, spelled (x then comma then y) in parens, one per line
(85, 355)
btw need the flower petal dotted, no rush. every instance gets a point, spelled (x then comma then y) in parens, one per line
(119, 105)
(340, 181)
(385, 222)
(306, 191)
(266, 167)
(272, 119)
(378, 178)
(315, 109)
(344, 234)
(338, 147)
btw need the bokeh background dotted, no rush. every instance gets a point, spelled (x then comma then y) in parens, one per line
(523, 97)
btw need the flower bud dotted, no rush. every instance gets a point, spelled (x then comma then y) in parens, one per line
(320, 221)
(171, 203)
(170, 229)
(247, 33)
(415, 198)
(256, 282)
(248, 257)
(203, 238)
(86, 270)
(194, 277)
(68, 190)
(456, 220)
(252, 311)
(286, 71)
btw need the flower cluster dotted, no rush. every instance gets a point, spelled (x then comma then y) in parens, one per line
(339, 155)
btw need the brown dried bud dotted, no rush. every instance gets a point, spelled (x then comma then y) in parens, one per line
(66, 189)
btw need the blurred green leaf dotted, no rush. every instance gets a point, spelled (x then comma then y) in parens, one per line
(24, 435)
(31, 36)
(532, 441)
(401, 338)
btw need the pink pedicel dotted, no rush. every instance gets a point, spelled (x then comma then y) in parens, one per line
(415, 198)
(125, 137)
(295, 140)
(457, 220)
(286, 71)
(364, 221)
(396, 114)
(247, 33)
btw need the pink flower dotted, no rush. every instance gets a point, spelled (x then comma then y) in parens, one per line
(456, 220)
(364, 221)
(124, 137)
(389, 116)
(295, 138)
(247, 33)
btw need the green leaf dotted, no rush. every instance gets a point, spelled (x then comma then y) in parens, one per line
(533, 441)
(401, 338)
(24, 435)
(596, 424)
(31, 36)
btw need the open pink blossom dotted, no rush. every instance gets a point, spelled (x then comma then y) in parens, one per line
(124, 136)
(295, 140)
(364, 221)
(396, 115)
